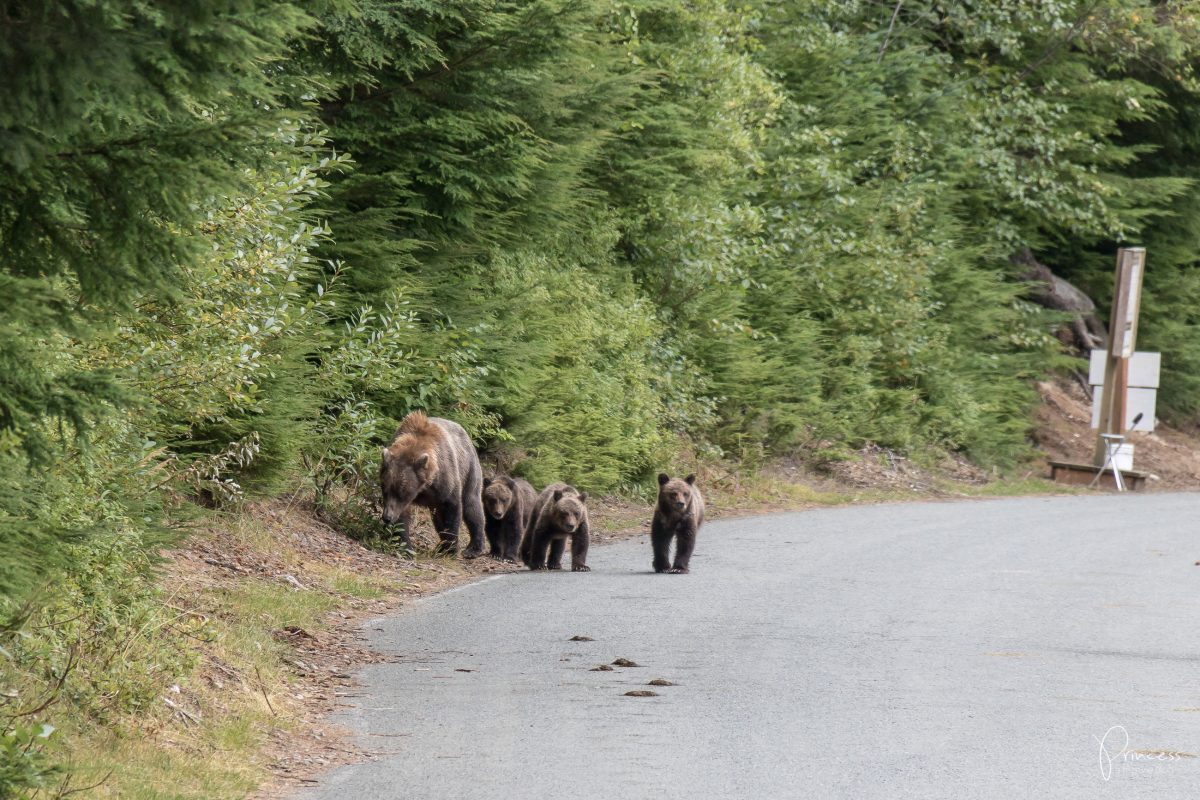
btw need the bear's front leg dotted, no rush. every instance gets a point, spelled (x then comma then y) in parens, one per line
(684, 545)
(510, 542)
(448, 520)
(495, 537)
(471, 510)
(660, 540)
(403, 528)
(579, 549)
(557, 545)
(537, 550)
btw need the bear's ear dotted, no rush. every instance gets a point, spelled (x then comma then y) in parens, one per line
(387, 455)
(583, 497)
(557, 495)
(487, 482)
(663, 478)
(690, 479)
(512, 484)
(421, 461)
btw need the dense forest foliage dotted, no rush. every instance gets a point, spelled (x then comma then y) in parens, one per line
(239, 239)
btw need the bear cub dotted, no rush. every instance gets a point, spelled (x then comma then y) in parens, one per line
(678, 515)
(508, 504)
(560, 514)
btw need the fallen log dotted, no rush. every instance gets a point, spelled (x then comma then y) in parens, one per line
(1087, 332)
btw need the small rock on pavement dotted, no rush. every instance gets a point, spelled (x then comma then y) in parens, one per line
(625, 662)
(641, 693)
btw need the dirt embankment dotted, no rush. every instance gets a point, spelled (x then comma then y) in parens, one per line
(1064, 433)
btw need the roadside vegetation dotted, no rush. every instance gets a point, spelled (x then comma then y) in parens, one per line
(240, 239)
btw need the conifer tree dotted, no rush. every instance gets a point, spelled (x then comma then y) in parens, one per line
(120, 122)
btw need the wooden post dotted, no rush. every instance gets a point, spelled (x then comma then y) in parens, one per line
(1122, 336)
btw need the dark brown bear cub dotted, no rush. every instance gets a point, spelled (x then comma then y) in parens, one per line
(508, 503)
(432, 463)
(560, 514)
(680, 513)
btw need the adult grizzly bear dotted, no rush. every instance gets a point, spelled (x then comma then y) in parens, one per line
(508, 504)
(432, 463)
(560, 514)
(680, 513)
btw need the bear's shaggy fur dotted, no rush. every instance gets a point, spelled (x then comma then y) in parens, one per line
(679, 513)
(560, 513)
(432, 463)
(508, 504)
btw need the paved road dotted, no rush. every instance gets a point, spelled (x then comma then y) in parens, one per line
(938, 650)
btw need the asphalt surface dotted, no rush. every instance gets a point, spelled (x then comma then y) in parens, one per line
(1028, 648)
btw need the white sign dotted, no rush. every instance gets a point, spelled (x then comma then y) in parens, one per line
(1143, 369)
(1142, 394)
(1133, 300)
(1137, 401)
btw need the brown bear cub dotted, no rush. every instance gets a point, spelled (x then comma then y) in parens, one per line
(560, 514)
(432, 463)
(508, 503)
(680, 513)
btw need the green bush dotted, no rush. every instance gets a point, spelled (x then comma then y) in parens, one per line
(574, 381)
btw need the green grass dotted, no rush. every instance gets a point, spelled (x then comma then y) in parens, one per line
(140, 767)
(362, 587)
(215, 749)
(1017, 487)
(215, 752)
(239, 734)
(271, 606)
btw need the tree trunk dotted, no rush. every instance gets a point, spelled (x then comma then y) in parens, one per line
(1087, 332)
